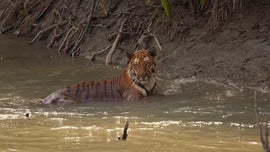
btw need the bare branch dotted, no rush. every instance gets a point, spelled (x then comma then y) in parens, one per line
(81, 36)
(115, 43)
(46, 29)
(66, 37)
(156, 40)
(92, 56)
(11, 2)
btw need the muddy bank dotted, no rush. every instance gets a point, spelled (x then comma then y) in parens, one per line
(232, 49)
(239, 53)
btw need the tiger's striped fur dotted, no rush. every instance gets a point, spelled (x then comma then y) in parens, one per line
(134, 83)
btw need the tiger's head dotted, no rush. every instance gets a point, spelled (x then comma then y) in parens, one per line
(141, 66)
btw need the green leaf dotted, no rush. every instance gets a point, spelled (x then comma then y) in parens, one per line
(166, 7)
(202, 2)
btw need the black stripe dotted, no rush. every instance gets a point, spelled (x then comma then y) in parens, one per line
(105, 88)
(68, 90)
(118, 88)
(151, 90)
(111, 85)
(83, 86)
(119, 85)
(100, 89)
(97, 89)
(77, 91)
(92, 89)
(87, 91)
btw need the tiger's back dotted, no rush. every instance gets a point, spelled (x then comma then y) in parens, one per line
(133, 84)
(94, 90)
(87, 91)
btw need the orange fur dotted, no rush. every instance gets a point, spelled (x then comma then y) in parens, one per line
(134, 83)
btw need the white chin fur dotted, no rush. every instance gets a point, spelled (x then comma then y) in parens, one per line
(148, 85)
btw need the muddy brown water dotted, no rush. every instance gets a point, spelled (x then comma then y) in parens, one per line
(200, 117)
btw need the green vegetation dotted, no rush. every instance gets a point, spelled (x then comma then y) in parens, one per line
(166, 7)
(202, 3)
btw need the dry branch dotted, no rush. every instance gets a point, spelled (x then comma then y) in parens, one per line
(68, 35)
(54, 37)
(45, 30)
(35, 10)
(25, 6)
(125, 134)
(81, 36)
(11, 14)
(156, 40)
(114, 45)
(68, 44)
(92, 56)
(11, 2)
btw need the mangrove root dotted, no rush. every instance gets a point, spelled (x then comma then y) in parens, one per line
(114, 45)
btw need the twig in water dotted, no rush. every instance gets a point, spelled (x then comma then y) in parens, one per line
(264, 140)
(124, 136)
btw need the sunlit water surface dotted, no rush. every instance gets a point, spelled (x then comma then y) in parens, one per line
(201, 117)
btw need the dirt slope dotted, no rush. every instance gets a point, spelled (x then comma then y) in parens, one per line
(239, 53)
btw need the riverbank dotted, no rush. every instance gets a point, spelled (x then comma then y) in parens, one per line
(238, 52)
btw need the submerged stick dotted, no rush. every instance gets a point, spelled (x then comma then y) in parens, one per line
(264, 140)
(124, 136)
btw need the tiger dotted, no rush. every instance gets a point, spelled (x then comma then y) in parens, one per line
(134, 83)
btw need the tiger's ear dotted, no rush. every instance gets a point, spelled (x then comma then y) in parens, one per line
(152, 51)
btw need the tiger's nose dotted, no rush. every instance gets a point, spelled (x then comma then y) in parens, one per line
(144, 77)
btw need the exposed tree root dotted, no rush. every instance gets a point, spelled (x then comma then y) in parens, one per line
(114, 45)
(69, 34)
(11, 2)
(10, 14)
(33, 10)
(93, 55)
(54, 37)
(156, 40)
(45, 30)
(82, 34)
(66, 23)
